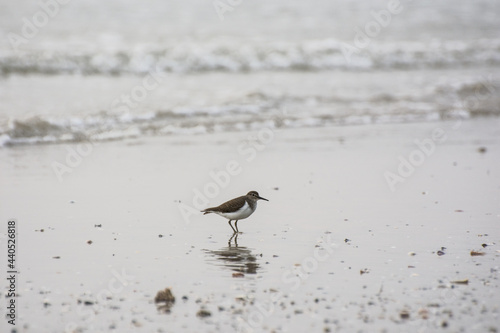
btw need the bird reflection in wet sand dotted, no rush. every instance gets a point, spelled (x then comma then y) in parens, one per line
(237, 258)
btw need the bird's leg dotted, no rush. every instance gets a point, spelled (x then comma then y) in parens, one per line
(232, 226)
(231, 239)
(236, 225)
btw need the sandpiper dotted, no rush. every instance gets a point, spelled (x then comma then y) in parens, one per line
(237, 209)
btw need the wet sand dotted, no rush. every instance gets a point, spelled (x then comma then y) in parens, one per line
(334, 249)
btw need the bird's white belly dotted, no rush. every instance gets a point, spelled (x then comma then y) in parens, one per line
(240, 214)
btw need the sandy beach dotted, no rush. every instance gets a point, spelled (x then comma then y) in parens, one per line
(377, 228)
(371, 126)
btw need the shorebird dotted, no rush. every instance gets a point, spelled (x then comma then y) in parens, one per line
(237, 209)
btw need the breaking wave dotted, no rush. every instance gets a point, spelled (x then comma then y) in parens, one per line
(314, 55)
(263, 111)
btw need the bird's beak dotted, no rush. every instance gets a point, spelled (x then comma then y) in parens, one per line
(261, 198)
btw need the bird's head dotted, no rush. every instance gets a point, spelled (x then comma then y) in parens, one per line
(255, 195)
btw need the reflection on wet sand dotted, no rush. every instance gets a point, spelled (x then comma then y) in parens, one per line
(236, 258)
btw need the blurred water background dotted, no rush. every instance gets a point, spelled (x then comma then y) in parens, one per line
(101, 70)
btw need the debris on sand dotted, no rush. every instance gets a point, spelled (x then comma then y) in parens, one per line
(164, 300)
(404, 314)
(238, 275)
(89, 242)
(423, 313)
(202, 313)
(364, 271)
(482, 150)
(85, 302)
(464, 281)
(441, 252)
(46, 303)
(165, 296)
(477, 253)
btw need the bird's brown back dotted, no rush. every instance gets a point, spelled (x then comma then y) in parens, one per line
(229, 206)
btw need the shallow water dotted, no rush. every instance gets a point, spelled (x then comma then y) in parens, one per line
(331, 250)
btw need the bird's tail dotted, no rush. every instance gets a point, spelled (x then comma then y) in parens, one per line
(209, 210)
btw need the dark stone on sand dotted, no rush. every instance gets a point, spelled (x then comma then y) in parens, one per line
(440, 253)
(482, 150)
(89, 242)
